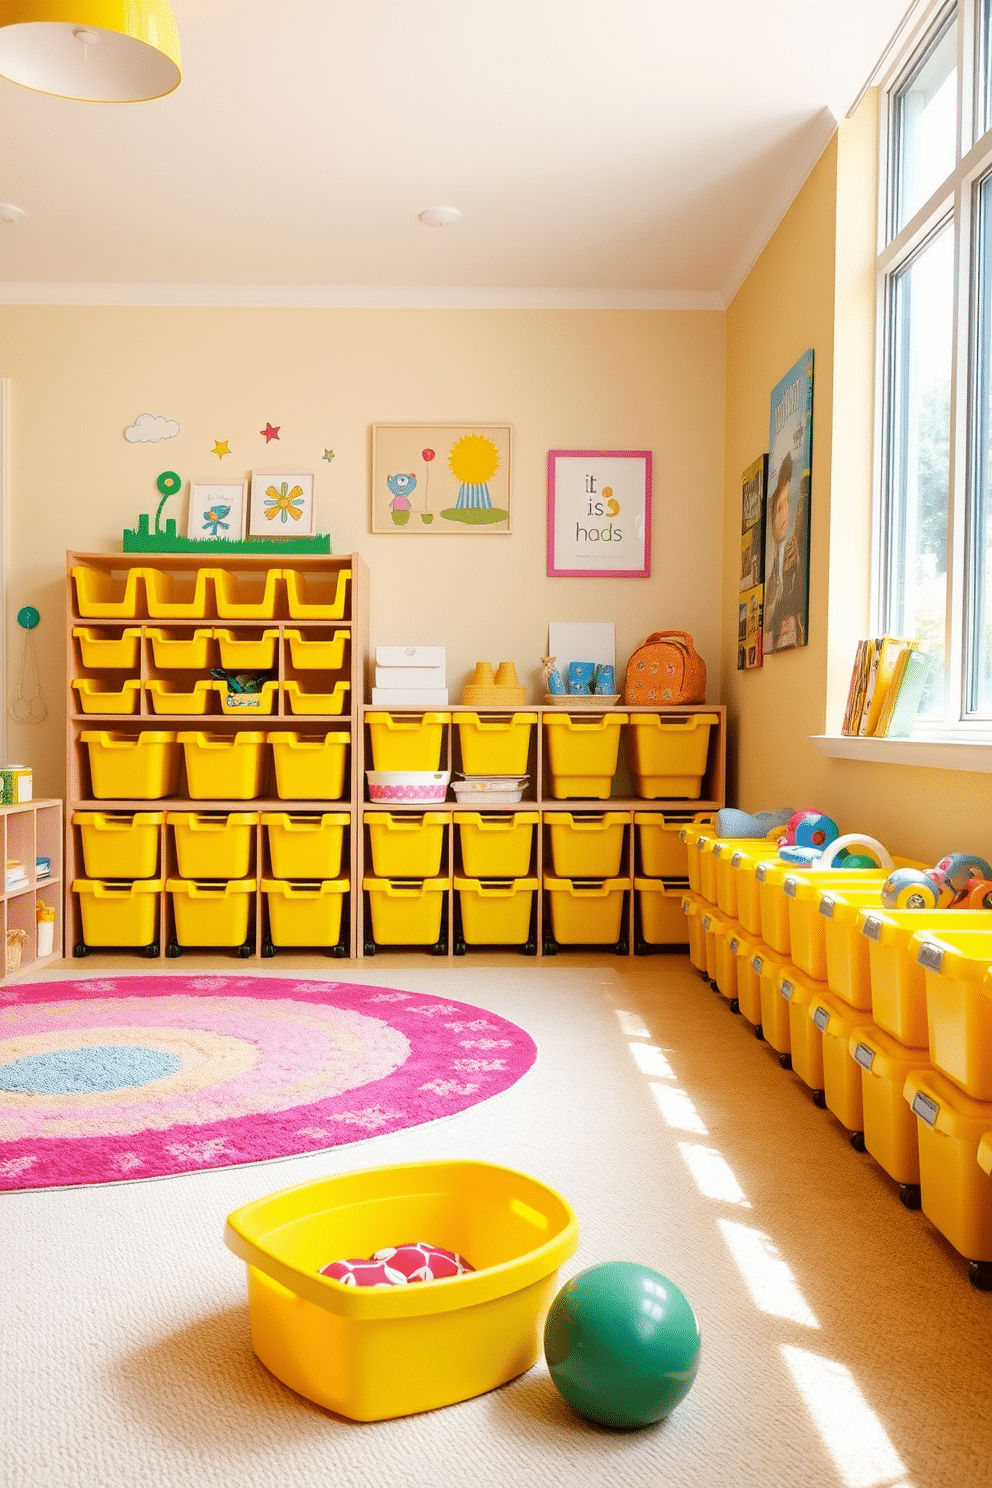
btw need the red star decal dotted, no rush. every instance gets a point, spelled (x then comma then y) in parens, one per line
(270, 432)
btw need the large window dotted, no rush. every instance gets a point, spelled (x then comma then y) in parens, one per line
(935, 274)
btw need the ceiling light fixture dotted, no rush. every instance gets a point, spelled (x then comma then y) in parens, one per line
(441, 216)
(9, 214)
(102, 51)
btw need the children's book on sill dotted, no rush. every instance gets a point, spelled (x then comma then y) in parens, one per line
(887, 685)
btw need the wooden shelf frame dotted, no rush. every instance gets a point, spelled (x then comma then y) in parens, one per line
(29, 830)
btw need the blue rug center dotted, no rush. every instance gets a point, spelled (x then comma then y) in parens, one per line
(86, 1070)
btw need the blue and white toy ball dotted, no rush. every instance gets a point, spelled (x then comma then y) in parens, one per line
(958, 869)
(908, 888)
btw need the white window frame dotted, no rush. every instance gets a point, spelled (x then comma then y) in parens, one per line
(954, 198)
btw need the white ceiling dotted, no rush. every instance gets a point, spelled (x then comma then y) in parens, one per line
(636, 149)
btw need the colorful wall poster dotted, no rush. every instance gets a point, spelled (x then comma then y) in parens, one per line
(751, 586)
(787, 509)
(431, 479)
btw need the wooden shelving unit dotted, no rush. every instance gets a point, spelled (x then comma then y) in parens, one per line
(30, 831)
(249, 570)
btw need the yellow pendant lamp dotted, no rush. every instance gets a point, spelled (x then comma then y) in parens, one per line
(106, 51)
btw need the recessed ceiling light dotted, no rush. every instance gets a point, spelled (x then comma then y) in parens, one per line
(440, 216)
(10, 214)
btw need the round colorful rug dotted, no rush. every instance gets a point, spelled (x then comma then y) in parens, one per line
(119, 1078)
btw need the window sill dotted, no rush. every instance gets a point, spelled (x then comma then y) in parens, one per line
(931, 754)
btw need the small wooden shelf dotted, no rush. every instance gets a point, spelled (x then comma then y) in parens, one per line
(31, 830)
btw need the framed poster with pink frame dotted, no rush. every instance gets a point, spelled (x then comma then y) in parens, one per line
(599, 514)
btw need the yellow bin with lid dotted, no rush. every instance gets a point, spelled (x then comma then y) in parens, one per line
(693, 910)
(727, 855)
(406, 913)
(141, 766)
(213, 845)
(769, 967)
(119, 844)
(406, 844)
(582, 753)
(307, 913)
(837, 1021)
(223, 767)
(118, 914)
(660, 904)
(662, 851)
(310, 766)
(956, 1195)
(807, 927)
(211, 913)
(305, 844)
(371, 1353)
(497, 844)
(726, 959)
(495, 911)
(668, 755)
(712, 926)
(889, 1124)
(406, 741)
(494, 743)
(587, 913)
(898, 981)
(797, 992)
(744, 863)
(748, 980)
(586, 845)
(958, 971)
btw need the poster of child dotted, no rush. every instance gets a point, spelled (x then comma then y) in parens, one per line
(786, 596)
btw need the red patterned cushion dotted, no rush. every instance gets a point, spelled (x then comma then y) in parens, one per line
(398, 1265)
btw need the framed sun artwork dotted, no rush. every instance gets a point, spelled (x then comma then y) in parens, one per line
(282, 504)
(432, 479)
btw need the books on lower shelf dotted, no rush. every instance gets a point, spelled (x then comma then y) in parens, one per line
(17, 877)
(887, 684)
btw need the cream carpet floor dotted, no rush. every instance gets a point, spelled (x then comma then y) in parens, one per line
(843, 1346)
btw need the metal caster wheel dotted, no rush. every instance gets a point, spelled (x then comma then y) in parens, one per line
(441, 949)
(640, 949)
(530, 949)
(858, 1141)
(820, 1098)
(622, 948)
(151, 951)
(551, 948)
(340, 951)
(268, 949)
(244, 951)
(460, 948)
(759, 1032)
(735, 1006)
(909, 1194)
(785, 1060)
(704, 977)
(980, 1275)
(80, 949)
(172, 950)
(369, 948)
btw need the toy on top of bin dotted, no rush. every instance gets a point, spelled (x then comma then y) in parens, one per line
(958, 881)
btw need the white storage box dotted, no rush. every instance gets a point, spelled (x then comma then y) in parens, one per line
(410, 656)
(411, 676)
(409, 697)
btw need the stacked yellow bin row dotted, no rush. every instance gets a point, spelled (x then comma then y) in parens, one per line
(885, 1014)
(209, 591)
(146, 765)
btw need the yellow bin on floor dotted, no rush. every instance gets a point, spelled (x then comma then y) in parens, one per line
(582, 753)
(406, 913)
(406, 741)
(848, 963)
(712, 926)
(769, 967)
(118, 914)
(798, 992)
(748, 980)
(728, 853)
(660, 904)
(744, 863)
(495, 911)
(693, 911)
(889, 1124)
(497, 844)
(956, 1195)
(371, 1353)
(305, 844)
(837, 1021)
(406, 844)
(310, 766)
(726, 959)
(493, 744)
(898, 981)
(958, 971)
(138, 766)
(586, 845)
(661, 848)
(211, 913)
(119, 844)
(668, 755)
(224, 767)
(807, 927)
(307, 913)
(213, 846)
(589, 913)
(694, 835)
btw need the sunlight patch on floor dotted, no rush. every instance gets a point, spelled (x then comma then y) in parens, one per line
(768, 1278)
(848, 1427)
(713, 1174)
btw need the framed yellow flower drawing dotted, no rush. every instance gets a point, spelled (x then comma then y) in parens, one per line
(282, 504)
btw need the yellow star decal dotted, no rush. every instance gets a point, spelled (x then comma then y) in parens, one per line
(328, 455)
(221, 448)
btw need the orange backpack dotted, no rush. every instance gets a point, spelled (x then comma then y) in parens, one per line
(666, 669)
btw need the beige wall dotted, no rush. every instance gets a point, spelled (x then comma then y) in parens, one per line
(579, 379)
(814, 287)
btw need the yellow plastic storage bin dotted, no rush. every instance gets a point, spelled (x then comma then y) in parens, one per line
(405, 913)
(246, 596)
(726, 959)
(660, 904)
(497, 844)
(305, 914)
(493, 744)
(586, 845)
(798, 992)
(101, 595)
(898, 981)
(582, 753)
(588, 913)
(695, 835)
(495, 911)
(305, 845)
(958, 971)
(744, 864)
(119, 844)
(848, 965)
(317, 596)
(138, 766)
(773, 905)
(775, 1021)
(807, 927)
(406, 844)
(119, 914)
(661, 849)
(239, 652)
(316, 702)
(117, 652)
(96, 695)
(211, 913)
(748, 981)
(371, 1353)
(403, 741)
(169, 697)
(191, 652)
(693, 910)
(712, 928)
(213, 845)
(309, 654)
(310, 767)
(176, 598)
(247, 704)
(956, 1195)
(837, 1021)
(668, 755)
(725, 869)
(224, 767)
(889, 1124)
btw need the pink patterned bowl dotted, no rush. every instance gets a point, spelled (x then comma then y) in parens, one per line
(416, 787)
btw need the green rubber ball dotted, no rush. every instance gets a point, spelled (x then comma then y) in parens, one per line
(622, 1344)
